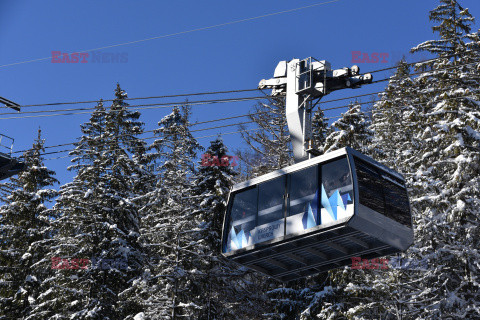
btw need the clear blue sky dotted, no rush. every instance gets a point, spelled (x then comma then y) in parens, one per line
(231, 57)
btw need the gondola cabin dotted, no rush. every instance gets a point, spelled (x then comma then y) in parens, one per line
(8, 166)
(316, 215)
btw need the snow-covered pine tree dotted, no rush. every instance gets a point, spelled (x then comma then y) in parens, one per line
(24, 219)
(212, 185)
(351, 130)
(270, 145)
(167, 220)
(219, 284)
(320, 129)
(98, 221)
(6, 189)
(393, 117)
(445, 176)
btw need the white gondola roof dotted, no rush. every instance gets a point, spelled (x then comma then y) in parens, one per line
(310, 162)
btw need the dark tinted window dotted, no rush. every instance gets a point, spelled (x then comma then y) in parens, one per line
(271, 201)
(396, 203)
(303, 200)
(370, 187)
(241, 221)
(382, 192)
(303, 187)
(336, 176)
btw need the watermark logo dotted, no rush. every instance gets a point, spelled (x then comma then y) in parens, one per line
(92, 57)
(392, 57)
(94, 264)
(65, 263)
(394, 263)
(359, 263)
(365, 57)
(408, 264)
(214, 161)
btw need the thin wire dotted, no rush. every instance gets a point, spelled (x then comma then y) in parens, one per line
(247, 122)
(148, 107)
(202, 137)
(379, 92)
(421, 61)
(138, 139)
(193, 102)
(147, 131)
(430, 71)
(339, 107)
(384, 100)
(139, 98)
(184, 32)
(330, 118)
(233, 117)
(404, 106)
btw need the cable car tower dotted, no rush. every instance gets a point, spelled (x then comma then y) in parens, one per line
(323, 211)
(305, 82)
(9, 166)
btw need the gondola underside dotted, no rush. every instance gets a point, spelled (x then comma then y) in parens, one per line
(319, 251)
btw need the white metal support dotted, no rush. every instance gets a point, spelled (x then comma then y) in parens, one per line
(294, 111)
(302, 82)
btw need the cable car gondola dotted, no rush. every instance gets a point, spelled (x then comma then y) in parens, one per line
(316, 215)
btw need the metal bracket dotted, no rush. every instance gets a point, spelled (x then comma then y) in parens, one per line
(6, 146)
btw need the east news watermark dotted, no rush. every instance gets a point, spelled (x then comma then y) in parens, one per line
(384, 264)
(214, 161)
(367, 57)
(386, 57)
(95, 263)
(89, 57)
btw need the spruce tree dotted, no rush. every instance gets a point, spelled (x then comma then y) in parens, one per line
(445, 177)
(320, 129)
(24, 221)
(270, 145)
(213, 182)
(167, 218)
(6, 189)
(351, 130)
(394, 116)
(98, 223)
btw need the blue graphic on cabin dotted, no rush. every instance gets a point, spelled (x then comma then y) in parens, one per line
(239, 240)
(335, 206)
(310, 217)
